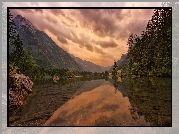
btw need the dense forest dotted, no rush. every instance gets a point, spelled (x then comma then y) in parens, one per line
(150, 54)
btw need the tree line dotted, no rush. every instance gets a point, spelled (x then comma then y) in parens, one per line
(150, 53)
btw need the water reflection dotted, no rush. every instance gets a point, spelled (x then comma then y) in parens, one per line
(97, 102)
(149, 98)
(98, 107)
(152, 100)
(47, 97)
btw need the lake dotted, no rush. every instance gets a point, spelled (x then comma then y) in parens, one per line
(96, 102)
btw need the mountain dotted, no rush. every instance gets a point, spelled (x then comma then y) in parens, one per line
(45, 51)
(89, 66)
(121, 62)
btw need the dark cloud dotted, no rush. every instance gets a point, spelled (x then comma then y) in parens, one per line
(106, 44)
(71, 22)
(61, 39)
(139, 21)
(82, 40)
(102, 22)
(61, 12)
(114, 13)
(136, 28)
(107, 22)
(115, 24)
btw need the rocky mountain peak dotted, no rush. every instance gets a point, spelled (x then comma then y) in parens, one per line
(22, 22)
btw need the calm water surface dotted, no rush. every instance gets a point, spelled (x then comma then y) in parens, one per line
(99, 102)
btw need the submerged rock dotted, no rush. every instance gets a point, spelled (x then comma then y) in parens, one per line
(19, 88)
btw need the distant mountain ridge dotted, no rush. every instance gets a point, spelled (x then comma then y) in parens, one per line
(89, 66)
(45, 51)
(121, 62)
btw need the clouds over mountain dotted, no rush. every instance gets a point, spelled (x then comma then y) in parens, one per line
(96, 32)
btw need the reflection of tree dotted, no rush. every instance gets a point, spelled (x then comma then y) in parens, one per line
(149, 97)
(152, 99)
(134, 113)
(106, 78)
(115, 83)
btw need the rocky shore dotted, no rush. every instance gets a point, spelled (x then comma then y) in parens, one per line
(20, 86)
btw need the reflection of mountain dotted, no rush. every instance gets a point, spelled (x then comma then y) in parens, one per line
(88, 86)
(45, 51)
(122, 87)
(98, 107)
(150, 98)
(89, 66)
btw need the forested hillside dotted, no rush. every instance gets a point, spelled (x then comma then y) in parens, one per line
(44, 50)
(150, 54)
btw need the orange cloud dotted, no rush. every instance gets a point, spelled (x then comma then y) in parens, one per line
(98, 35)
(107, 44)
(61, 39)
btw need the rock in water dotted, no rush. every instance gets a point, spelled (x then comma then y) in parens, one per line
(19, 88)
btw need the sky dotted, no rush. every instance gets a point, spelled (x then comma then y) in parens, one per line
(96, 35)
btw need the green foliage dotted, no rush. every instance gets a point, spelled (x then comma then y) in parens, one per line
(69, 73)
(150, 53)
(18, 57)
(115, 69)
(17, 54)
(13, 68)
(22, 58)
(106, 73)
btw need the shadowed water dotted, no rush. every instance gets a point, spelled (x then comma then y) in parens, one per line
(100, 102)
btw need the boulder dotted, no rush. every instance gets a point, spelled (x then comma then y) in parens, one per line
(19, 88)
(55, 78)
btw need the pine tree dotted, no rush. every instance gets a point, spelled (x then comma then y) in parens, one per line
(115, 69)
(18, 56)
(151, 52)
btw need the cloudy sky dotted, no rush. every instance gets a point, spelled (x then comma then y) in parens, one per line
(96, 35)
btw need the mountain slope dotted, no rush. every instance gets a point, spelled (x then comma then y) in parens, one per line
(44, 50)
(89, 66)
(121, 62)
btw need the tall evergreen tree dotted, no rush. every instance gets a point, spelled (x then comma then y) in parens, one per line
(18, 56)
(150, 54)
